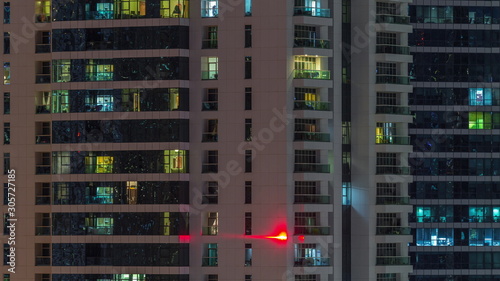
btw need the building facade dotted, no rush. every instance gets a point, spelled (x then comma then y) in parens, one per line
(176, 140)
(455, 137)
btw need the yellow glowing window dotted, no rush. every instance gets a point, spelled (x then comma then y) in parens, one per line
(174, 99)
(100, 72)
(174, 9)
(175, 161)
(42, 11)
(104, 164)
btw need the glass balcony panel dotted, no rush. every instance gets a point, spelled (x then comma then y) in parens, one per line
(311, 105)
(42, 139)
(393, 49)
(312, 261)
(209, 75)
(392, 19)
(210, 106)
(42, 200)
(311, 136)
(392, 170)
(312, 199)
(311, 12)
(210, 199)
(391, 109)
(42, 48)
(393, 230)
(209, 230)
(209, 168)
(209, 261)
(209, 137)
(42, 230)
(311, 74)
(311, 168)
(393, 261)
(393, 79)
(393, 200)
(209, 44)
(391, 139)
(42, 79)
(311, 43)
(311, 230)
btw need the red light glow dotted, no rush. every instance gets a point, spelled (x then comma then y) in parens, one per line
(282, 236)
(302, 238)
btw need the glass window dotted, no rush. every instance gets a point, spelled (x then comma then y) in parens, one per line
(6, 42)
(6, 103)
(6, 73)
(248, 8)
(174, 9)
(62, 70)
(209, 68)
(6, 12)
(480, 96)
(209, 8)
(99, 72)
(480, 120)
(434, 237)
(210, 255)
(42, 11)
(60, 101)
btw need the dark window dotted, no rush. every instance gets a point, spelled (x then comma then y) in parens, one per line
(248, 36)
(6, 12)
(248, 67)
(248, 98)
(248, 223)
(248, 192)
(248, 255)
(248, 129)
(6, 133)
(6, 42)
(6, 103)
(248, 161)
(6, 163)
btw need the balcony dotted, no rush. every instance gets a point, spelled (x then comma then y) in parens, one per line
(392, 109)
(311, 199)
(42, 200)
(311, 136)
(393, 49)
(209, 44)
(210, 199)
(311, 12)
(42, 260)
(42, 78)
(209, 106)
(311, 168)
(312, 262)
(209, 137)
(42, 230)
(311, 74)
(392, 19)
(392, 170)
(42, 48)
(311, 105)
(209, 261)
(42, 169)
(42, 139)
(311, 43)
(393, 261)
(311, 230)
(393, 200)
(393, 230)
(42, 109)
(210, 230)
(391, 139)
(210, 168)
(210, 12)
(44, 17)
(393, 79)
(209, 75)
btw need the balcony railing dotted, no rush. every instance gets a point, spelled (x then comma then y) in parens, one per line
(311, 136)
(210, 168)
(391, 139)
(311, 105)
(42, 17)
(311, 74)
(393, 200)
(42, 230)
(312, 199)
(393, 109)
(312, 262)
(42, 48)
(392, 170)
(392, 19)
(311, 11)
(311, 168)
(41, 109)
(393, 261)
(209, 137)
(209, 44)
(210, 199)
(393, 230)
(311, 230)
(210, 106)
(393, 49)
(209, 230)
(42, 260)
(209, 261)
(210, 75)
(42, 200)
(393, 79)
(42, 139)
(42, 78)
(311, 43)
(210, 12)
(42, 169)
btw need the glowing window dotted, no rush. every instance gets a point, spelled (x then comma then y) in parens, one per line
(42, 11)
(6, 73)
(99, 72)
(132, 8)
(62, 70)
(104, 195)
(99, 225)
(209, 68)
(174, 9)
(60, 101)
(480, 96)
(479, 120)
(434, 237)
(175, 161)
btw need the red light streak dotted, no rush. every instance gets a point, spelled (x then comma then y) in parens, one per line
(282, 236)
